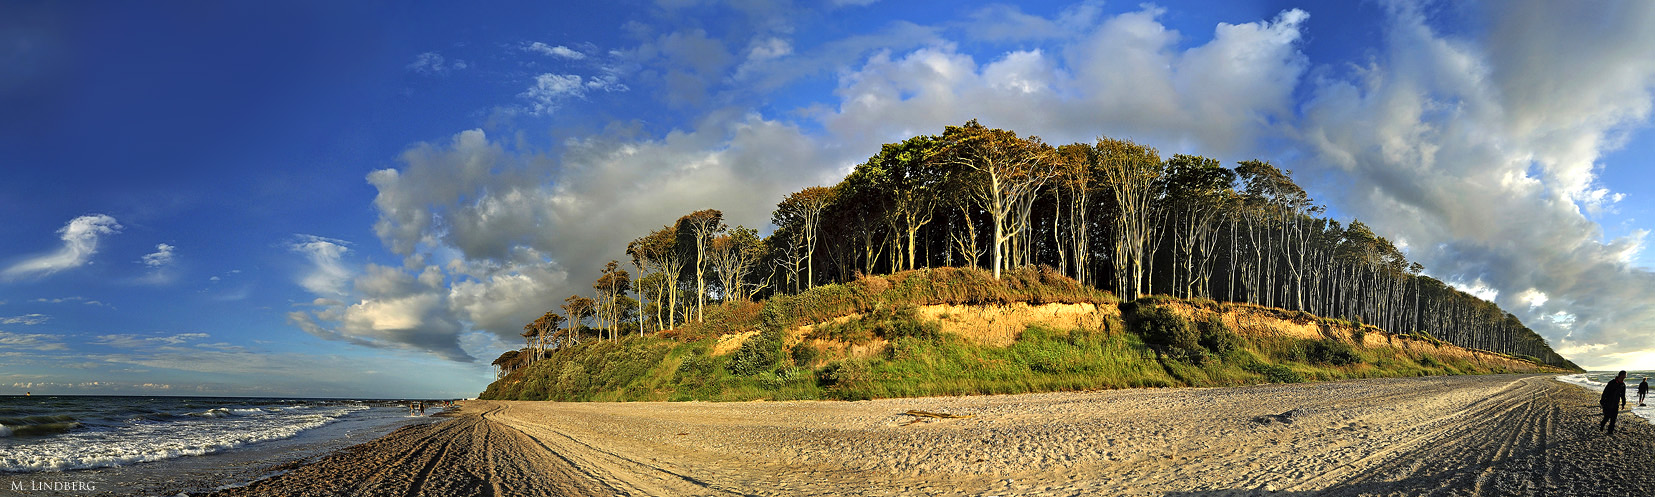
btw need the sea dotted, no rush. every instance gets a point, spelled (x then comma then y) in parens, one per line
(1596, 380)
(116, 445)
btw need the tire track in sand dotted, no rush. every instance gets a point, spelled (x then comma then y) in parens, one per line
(1498, 435)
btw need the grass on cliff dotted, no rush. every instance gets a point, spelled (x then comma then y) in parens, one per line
(1149, 345)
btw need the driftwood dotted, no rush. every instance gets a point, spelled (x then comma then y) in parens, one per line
(921, 415)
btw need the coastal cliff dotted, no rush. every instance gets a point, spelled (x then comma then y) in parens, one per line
(956, 331)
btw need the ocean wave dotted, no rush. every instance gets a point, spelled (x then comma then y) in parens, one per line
(37, 425)
(146, 442)
(1595, 382)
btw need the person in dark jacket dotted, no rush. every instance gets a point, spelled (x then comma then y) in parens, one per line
(1613, 392)
(1643, 389)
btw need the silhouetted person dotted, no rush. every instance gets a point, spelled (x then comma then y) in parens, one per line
(1613, 392)
(1643, 389)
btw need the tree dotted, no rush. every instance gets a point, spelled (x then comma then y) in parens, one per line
(910, 175)
(700, 227)
(611, 286)
(1197, 192)
(1076, 165)
(506, 363)
(1131, 172)
(659, 252)
(541, 330)
(804, 209)
(1176, 226)
(1287, 206)
(733, 256)
(577, 308)
(1005, 173)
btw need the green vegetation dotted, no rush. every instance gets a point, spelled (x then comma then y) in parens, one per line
(1152, 344)
(980, 216)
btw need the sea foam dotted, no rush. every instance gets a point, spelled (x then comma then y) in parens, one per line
(1595, 381)
(146, 440)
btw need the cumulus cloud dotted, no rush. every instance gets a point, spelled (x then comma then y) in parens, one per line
(1126, 77)
(80, 242)
(1480, 151)
(509, 245)
(392, 309)
(1484, 149)
(161, 257)
(512, 232)
(159, 264)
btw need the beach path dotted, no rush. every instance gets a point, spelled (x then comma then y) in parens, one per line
(1467, 435)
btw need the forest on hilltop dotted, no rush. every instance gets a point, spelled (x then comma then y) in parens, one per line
(1112, 215)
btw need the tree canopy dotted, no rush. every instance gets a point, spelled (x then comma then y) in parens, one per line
(1112, 213)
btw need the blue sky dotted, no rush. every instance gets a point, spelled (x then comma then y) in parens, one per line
(371, 199)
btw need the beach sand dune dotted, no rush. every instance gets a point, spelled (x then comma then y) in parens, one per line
(1482, 435)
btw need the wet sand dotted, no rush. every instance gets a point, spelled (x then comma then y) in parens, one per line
(1483, 435)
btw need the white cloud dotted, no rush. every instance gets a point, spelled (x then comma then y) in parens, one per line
(551, 90)
(511, 247)
(1125, 76)
(769, 48)
(80, 243)
(434, 63)
(26, 319)
(1479, 152)
(1002, 22)
(1477, 289)
(514, 232)
(554, 51)
(393, 309)
(1533, 297)
(132, 341)
(160, 266)
(31, 342)
(161, 257)
(65, 300)
(327, 274)
(1484, 148)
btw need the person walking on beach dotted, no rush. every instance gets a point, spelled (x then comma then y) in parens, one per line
(1614, 391)
(1643, 389)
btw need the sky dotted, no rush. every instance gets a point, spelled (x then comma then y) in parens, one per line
(370, 199)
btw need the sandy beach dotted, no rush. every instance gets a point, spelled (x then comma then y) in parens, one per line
(1470, 435)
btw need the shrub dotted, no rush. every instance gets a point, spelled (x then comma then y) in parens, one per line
(723, 319)
(1428, 361)
(694, 366)
(1332, 352)
(1276, 373)
(803, 354)
(1217, 337)
(760, 353)
(902, 322)
(841, 374)
(1160, 326)
(572, 377)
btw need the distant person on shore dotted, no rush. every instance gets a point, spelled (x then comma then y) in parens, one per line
(1643, 389)
(1614, 391)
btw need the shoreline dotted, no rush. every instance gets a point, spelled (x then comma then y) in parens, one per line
(200, 474)
(1503, 434)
